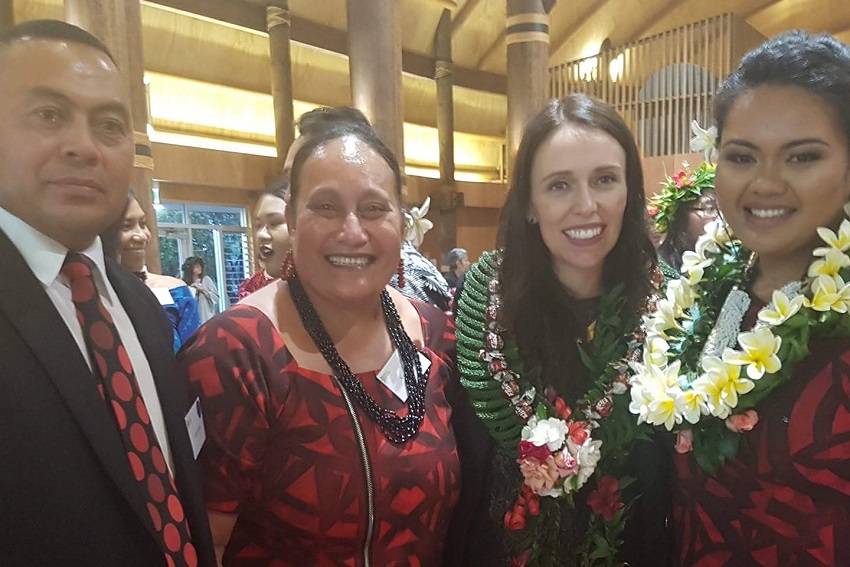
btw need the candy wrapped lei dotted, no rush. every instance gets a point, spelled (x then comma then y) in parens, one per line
(558, 450)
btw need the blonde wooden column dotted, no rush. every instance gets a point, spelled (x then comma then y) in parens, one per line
(279, 24)
(7, 14)
(118, 24)
(374, 59)
(527, 32)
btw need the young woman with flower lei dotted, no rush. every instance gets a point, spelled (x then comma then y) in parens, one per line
(546, 327)
(748, 357)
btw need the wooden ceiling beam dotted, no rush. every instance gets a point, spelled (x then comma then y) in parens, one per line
(462, 15)
(575, 26)
(759, 9)
(499, 42)
(650, 21)
(253, 17)
(450, 5)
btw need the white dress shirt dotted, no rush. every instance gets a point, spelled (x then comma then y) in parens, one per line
(45, 257)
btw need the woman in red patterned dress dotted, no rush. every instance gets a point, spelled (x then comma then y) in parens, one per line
(328, 397)
(784, 170)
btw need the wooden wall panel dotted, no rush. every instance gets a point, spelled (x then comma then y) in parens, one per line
(211, 168)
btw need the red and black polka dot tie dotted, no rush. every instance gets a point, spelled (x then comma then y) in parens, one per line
(116, 382)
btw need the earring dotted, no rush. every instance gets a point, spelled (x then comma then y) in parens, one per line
(532, 220)
(287, 269)
(400, 272)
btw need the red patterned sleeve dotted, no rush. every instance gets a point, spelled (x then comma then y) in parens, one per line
(229, 362)
(439, 332)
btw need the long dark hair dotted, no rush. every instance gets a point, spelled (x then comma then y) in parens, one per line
(677, 240)
(543, 316)
(189, 269)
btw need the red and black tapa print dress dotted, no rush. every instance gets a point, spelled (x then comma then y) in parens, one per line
(282, 453)
(786, 500)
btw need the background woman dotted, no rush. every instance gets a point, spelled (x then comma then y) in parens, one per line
(783, 119)
(573, 229)
(684, 206)
(173, 294)
(203, 287)
(328, 397)
(271, 238)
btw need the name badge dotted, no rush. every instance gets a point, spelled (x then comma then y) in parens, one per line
(195, 425)
(392, 374)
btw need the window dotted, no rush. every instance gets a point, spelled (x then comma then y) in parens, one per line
(216, 233)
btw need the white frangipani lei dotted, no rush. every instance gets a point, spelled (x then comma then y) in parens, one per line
(665, 394)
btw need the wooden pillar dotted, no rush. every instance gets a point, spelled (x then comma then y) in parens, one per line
(445, 131)
(7, 14)
(374, 59)
(118, 24)
(527, 33)
(279, 25)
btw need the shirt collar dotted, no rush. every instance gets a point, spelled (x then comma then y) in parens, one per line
(45, 256)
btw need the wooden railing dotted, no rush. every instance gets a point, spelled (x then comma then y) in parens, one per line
(661, 83)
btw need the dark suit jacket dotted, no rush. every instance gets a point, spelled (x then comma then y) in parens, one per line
(67, 494)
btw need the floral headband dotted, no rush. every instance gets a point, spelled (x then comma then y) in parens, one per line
(687, 185)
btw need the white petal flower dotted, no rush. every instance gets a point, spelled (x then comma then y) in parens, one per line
(830, 264)
(721, 385)
(704, 141)
(691, 404)
(655, 350)
(416, 224)
(680, 294)
(550, 432)
(759, 353)
(781, 308)
(840, 241)
(830, 293)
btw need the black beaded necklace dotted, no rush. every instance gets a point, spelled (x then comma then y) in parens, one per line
(397, 429)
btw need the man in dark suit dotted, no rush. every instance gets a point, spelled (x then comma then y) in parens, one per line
(72, 488)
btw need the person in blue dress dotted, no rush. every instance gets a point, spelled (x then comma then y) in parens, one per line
(173, 294)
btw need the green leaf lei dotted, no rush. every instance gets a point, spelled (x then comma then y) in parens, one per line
(694, 380)
(592, 444)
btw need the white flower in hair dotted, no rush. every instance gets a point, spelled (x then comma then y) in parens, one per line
(704, 141)
(416, 225)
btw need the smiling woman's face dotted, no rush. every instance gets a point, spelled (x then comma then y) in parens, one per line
(578, 196)
(134, 238)
(347, 227)
(784, 170)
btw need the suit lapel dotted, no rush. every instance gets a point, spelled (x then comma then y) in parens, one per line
(31, 312)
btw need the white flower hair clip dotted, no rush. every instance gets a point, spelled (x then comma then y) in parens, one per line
(704, 141)
(415, 223)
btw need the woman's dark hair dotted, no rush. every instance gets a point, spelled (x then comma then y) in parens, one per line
(677, 240)
(820, 64)
(189, 269)
(315, 121)
(362, 132)
(542, 315)
(278, 188)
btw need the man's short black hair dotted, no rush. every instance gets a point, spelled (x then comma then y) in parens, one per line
(54, 30)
